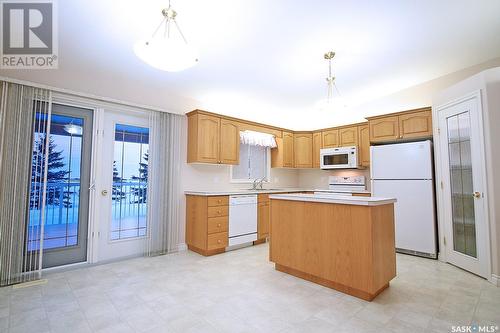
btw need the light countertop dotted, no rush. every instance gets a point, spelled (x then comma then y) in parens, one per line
(245, 191)
(264, 191)
(334, 199)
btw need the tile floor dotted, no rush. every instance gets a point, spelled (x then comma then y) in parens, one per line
(240, 291)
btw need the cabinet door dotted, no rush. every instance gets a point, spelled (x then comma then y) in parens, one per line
(348, 136)
(302, 146)
(263, 220)
(208, 139)
(288, 150)
(384, 129)
(415, 125)
(316, 149)
(364, 146)
(330, 138)
(229, 142)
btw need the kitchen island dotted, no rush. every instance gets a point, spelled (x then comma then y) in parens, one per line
(345, 243)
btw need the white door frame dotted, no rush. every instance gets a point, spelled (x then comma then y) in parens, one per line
(101, 182)
(475, 95)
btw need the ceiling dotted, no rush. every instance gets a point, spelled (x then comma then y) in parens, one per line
(263, 60)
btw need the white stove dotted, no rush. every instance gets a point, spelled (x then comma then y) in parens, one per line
(344, 185)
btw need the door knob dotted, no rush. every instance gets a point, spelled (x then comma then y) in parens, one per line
(104, 193)
(476, 195)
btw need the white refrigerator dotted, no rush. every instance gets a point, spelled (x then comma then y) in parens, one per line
(405, 171)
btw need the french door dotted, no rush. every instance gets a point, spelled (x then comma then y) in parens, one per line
(462, 165)
(67, 189)
(122, 193)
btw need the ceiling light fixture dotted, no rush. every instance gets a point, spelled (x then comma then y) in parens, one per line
(168, 51)
(330, 79)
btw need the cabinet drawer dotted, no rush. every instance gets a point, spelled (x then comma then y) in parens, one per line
(217, 224)
(218, 211)
(218, 201)
(217, 241)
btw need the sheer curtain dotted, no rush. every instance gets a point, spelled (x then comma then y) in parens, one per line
(23, 110)
(164, 191)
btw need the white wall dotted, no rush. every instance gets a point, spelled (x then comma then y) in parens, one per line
(489, 84)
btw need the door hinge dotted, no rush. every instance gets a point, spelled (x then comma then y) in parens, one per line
(439, 130)
(442, 185)
(444, 241)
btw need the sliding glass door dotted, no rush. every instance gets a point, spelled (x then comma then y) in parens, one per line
(67, 192)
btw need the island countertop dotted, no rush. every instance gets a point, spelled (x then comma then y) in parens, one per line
(344, 243)
(334, 199)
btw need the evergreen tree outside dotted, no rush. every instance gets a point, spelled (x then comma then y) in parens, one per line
(117, 194)
(55, 173)
(141, 192)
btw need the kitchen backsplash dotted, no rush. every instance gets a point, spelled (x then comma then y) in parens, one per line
(318, 179)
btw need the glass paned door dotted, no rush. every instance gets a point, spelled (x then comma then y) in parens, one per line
(122, 193)
(130, 182)
(461, 181)
(461, 167)
(68, 178)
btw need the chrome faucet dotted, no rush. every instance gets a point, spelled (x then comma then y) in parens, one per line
(261, 181)
(258, 182)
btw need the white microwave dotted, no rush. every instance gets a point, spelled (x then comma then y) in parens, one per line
(339, 158)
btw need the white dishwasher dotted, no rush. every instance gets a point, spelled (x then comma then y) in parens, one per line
(242, 219)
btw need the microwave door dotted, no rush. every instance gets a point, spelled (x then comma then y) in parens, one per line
(336, 160)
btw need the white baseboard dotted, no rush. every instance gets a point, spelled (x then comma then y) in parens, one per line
(495, 279)
(182, 247)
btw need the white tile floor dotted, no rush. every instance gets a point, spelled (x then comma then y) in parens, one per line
(240, 291)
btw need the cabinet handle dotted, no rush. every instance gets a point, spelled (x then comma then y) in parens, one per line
(219, 201)
(218, 225)
(218, 212)
(218, 241)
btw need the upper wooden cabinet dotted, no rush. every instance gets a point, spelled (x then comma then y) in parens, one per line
(316, 138)
(348, 136)
(282, 156)
(384, 129)
(364, 145)
(303, 149)
(330, 138)
(415, 124)
(401, 126)
(229, 142)
(212, 139)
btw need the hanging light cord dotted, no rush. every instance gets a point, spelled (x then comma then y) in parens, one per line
(168, 17)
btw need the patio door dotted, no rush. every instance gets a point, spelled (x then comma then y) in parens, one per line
(123, 191)
(67, 194)
(466, 238)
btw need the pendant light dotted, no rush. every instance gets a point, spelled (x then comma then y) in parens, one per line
(330, 79)
(167, 50)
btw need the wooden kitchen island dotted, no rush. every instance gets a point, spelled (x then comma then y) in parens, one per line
(345, 243)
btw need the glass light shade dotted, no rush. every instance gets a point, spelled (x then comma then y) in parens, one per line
(167, 54)
(73, 129)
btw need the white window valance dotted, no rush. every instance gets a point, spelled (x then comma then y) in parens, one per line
(258, 139)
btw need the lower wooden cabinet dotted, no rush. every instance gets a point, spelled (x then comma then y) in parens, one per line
(207, 224)
(263, 217)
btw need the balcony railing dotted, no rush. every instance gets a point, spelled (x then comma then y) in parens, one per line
(63, 201)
